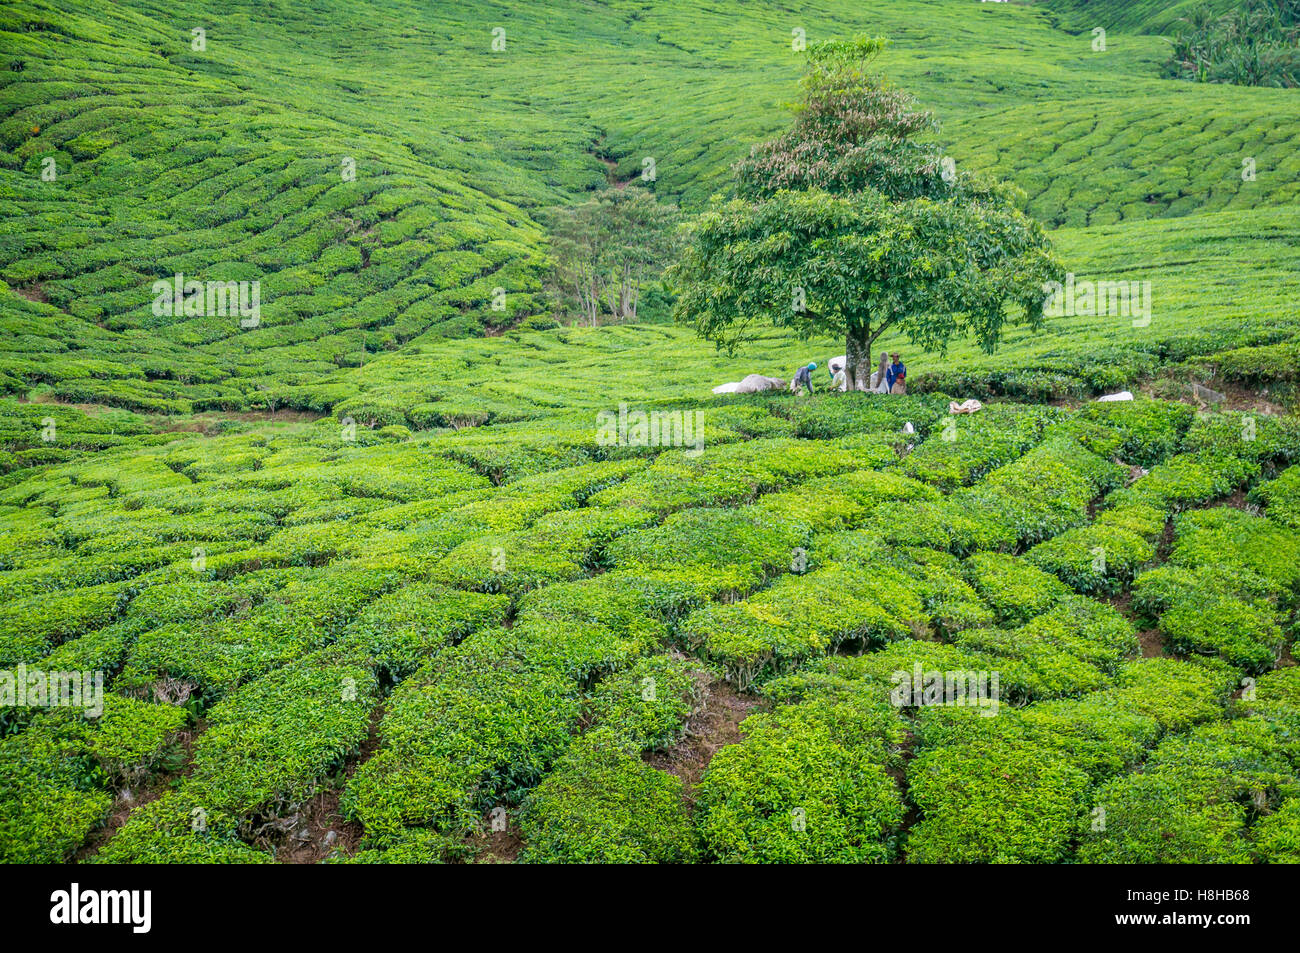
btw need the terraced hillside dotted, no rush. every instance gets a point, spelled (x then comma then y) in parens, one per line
(393, 575)
(235, 162)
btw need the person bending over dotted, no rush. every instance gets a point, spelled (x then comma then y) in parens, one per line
(803, 378)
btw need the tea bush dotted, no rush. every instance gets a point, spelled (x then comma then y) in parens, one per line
(474, 724)
(807, 785)
(1016, 589)
(178, 828)
(270, 742)
(725, 549)
(603, 805)
(983, 803)
(399, 631)
(804, 615)
(130, 736)
(1176, 693)
(1282, 498)
(1277, 837)
(1145, 432)
(960, 450)
(1097, 558)
(50, 800)
(1229, 538)
(1186, 480)
(647, 705)
(1190, 804)
(1243, 634)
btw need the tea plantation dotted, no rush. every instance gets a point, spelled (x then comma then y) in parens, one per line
(365, 583)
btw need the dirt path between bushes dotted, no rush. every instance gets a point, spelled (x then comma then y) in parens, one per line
(715, 725)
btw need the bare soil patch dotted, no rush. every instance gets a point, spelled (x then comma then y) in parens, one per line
(32, 292)
(1152, 643)
(320, 831)
(717, 723)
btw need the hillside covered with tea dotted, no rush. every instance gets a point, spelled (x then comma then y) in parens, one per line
(365, 581)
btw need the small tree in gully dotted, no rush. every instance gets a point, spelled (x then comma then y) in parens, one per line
(606, 249)
(847, 224)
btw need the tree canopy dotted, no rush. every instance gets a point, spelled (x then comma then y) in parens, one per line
(850, 224)
(604, 250)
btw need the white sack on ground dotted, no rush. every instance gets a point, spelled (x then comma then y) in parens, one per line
(751, 383)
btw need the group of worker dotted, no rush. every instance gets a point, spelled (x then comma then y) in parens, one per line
(889, 378)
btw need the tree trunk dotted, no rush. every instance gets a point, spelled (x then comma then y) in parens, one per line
(857, 352)
(626, 295)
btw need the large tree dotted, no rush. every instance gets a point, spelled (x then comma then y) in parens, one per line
(850, 224)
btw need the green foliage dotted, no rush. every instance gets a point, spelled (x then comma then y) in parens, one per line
(982, 803)
(605, 249)
(850, 224)
(1229, 538)
(1141, 432)
(1070, 649)
(727, 475)
(1192, 802)
(1254, 44)
(131, 736)
(802, 616)
(178, 828)
(744, 263)
(397, 632)
(472, 725)
(1092, 732)
(413, 846)
(724, 550)
(1017, 590)
(31, 627)
(1282, 497)
(647, 705)
(838, 415)
(1277, 837)
(604, 805)
(1177, 694)
(807, 785)
(271, 742)
(1186, 480)
(830, 503)
(48, 803)
(243, 527)
(1146, 522)
(1243, 634)
(1251, 436)
(1099, 558)
(963, 449)
(1228, 574)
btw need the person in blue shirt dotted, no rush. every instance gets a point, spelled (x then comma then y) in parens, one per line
(803, 378)
(897, 375)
